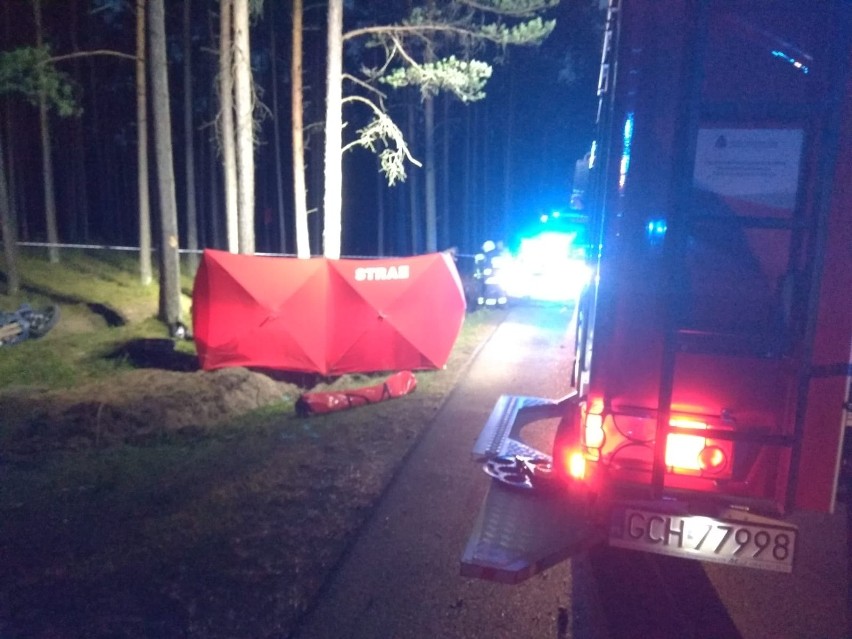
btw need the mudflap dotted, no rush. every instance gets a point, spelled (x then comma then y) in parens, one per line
(521, 531)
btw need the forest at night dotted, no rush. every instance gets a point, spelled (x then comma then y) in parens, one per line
(498, 162)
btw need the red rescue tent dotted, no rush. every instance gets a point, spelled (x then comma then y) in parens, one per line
(326, 316)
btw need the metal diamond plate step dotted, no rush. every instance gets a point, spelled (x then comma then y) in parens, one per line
(520, 533)
(501, 434)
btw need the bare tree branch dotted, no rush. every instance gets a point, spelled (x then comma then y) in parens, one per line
(364, 85)
(409, 29)
(86, 54)
(382, 128)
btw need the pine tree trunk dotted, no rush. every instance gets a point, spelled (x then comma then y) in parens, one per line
(79, 175)
(244, 127)
(49, 192)
(380, 213)
(79, 199)
(189, 143)
(413, 184)
(445, 177)
(276, 121)
(46, 155)
(431, 198)
(477, 179)
(19, 222)
(482, 213)
(333, 189)
(467, 199)
(145, 268)
(7, 226)
(227, 139)
(213, 208)
(315, 175)
(508, 149)
(170, 310)
(429, 160)
(300, 195)
(99, 156)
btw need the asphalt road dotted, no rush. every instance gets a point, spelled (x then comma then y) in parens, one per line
(401, 580)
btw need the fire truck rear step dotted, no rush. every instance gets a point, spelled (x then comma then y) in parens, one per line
(519, 534)
(500, 436)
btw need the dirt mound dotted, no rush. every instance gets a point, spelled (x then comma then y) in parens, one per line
(135, 406)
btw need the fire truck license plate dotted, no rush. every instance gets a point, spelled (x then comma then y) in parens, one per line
(757, 545)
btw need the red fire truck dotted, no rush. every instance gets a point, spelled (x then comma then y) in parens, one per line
(711, 379)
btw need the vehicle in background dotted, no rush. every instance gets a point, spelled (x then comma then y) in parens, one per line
(548, 267)
(712, 365)
(549, 260)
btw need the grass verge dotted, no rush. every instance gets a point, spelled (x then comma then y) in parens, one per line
(211, 528)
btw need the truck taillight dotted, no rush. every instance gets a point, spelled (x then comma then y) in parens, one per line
(683, 451)
(693, 452)
(625, 441)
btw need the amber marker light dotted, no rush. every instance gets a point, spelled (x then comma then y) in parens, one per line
(593, 431)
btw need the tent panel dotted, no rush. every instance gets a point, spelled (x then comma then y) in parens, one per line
(326, 316)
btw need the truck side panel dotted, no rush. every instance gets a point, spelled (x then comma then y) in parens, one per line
(831, 367)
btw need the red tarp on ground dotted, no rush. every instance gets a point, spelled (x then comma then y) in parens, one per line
(326, 316)
(397, 385)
